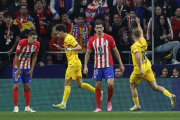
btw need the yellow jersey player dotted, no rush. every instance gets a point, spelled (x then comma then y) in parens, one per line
(74, 68)
(142, 69)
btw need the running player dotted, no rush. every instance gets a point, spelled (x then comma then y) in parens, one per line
(102, 43)
(142, 69)
(22, 68)
(73, 71)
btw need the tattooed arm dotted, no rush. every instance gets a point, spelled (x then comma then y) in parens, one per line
(88, 52)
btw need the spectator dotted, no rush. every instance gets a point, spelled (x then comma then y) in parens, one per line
(9, 35)
(176, 72)
(139, 11)
(120, 9)
(165, 72)
(14, 6)
(158, 11)
(18, 13)
(118, 73)
(3, 4)
(80, 6)
(57, 58)
(96, 7)
(42, 22)
(148, 10)
(162, 37)
(25, 21)
(46, 8)
(176, 25)
(41, 58)
(58, 7)
(170, 8)
(1, 16)
(130, 3)
(81, 32)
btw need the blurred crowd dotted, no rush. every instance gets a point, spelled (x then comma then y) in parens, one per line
(18, 17)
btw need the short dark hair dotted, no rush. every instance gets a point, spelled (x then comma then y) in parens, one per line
(118, 15)
(61, 27)
(81, 15)
(21, 0)
(117, 67)
(132, 10)
(7, 14)
(64, 12)
(38, 1)
(31, 33)
(23, 5)
(98, 23)
(136, 32)
(99, 17)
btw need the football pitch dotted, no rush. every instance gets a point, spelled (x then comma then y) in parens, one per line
(89, 115)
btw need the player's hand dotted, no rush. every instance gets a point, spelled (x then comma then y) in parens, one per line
(17, 73)
(122, 68)
(9, 52)
(30, 73)
(67, 49)
(57, 46)
(108, 18)
(142, 73)
(85, 71)
(137, 20)
(41, 64)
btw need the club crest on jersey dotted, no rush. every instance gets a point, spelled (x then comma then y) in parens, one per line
(34, 48)
(105, 43)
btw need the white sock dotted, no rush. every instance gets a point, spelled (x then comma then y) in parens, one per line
(64, 103)
(27, 107)
(15, 106)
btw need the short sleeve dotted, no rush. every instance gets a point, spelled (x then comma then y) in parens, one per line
(37, 49)
(112, 42)
(19, 47)
(134, 49)
(72, 41)
(90, 46)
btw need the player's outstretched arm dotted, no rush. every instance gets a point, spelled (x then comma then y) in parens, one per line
(139, 26)
(88, 52)
(138, 59)
(116, 52)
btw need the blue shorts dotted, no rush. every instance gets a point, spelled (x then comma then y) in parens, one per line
(98, 73)
(25, 78)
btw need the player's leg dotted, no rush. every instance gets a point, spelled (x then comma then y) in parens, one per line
(150, 79)
(97, 76)
(109, 75)
(16, 84)
(134, 81)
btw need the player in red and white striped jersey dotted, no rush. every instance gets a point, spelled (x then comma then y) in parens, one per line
(22, 69)
(102, 44)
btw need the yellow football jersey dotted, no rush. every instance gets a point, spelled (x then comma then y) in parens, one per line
(72, 56)
(141, 47)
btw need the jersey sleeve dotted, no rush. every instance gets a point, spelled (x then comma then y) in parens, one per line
(90, 46)
(19, 47)
(134, 49)
(72, 41)
(112, 42)
(37, 49)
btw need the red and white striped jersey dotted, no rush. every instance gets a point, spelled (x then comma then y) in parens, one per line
(25, 51)
(102, 50)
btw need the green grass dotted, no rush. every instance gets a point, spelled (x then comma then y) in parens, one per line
(89, 115)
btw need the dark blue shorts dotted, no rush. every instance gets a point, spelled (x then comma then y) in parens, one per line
(98, 73)
(25, 78)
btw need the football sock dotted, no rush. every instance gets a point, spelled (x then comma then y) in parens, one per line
(27, 107)
(98, 97)
(88, 87)
(167, 93)
(63, 103)
(15, 96)
(67, 90)
(110, 93)
(136, 101)
(27, 96)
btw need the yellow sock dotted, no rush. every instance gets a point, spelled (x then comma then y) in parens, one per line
(167, 93)
(136, 101)
(67, 90)
(88, 87)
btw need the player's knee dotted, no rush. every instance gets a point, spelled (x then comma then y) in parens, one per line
(79, 86)
(111, 85)
(16, 86)
(154, 88)
(27, 86)
(98, 86)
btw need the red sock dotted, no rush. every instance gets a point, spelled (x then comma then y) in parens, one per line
(15, 96)
(98, 97)
(27, 96)
(110, 93)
